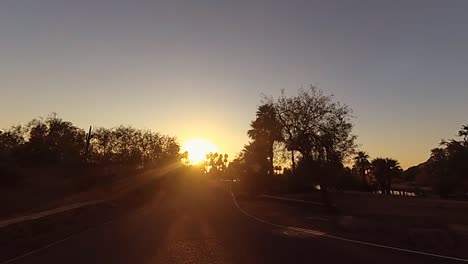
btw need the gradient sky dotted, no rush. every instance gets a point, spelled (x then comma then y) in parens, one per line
(199, 68)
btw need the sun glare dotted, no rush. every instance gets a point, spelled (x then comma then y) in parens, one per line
(197, 149)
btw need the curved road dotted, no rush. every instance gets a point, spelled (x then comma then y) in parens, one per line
(189, 221)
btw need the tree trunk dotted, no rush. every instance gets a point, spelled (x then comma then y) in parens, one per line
(270, 169)
(325, 195)
(389, 185)
(271, 172)
(293, 161)
(323, 181)
(363, 179)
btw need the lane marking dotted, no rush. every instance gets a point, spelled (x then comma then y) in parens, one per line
(318, 233)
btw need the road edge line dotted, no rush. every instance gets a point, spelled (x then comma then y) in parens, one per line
(52, 244)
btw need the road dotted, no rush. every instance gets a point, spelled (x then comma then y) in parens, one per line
(193, 221)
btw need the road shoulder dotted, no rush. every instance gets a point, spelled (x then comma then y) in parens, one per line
(409, 233)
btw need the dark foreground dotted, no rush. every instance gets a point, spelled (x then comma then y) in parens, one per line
(193, 221)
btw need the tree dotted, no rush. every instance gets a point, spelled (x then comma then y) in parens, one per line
(185, 158)
(384, 169)
(464, 133)
(53, 141)
(212, 163)
(265, 130)
(256, 167)
(225, 162)
(448, 165)
(235, 169)
(319, 128)
(361, 164)
(11, 142)
(170, 149)
(216, 164)
(316, 126)
(220, 163)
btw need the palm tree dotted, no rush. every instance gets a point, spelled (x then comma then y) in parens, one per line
(361, 163)
(383, 170)
(265, 130)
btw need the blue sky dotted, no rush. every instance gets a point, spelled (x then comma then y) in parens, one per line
(199, 68)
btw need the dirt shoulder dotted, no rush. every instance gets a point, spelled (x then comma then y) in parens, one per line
(51, 189)
(23, 237)
(438, 231)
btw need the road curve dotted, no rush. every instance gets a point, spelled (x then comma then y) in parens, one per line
(194, 221)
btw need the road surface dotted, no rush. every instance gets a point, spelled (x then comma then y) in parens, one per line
(193, 221)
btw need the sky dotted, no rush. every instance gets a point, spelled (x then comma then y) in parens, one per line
(198, 69)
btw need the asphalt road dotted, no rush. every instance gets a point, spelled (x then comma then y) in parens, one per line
(193, 221)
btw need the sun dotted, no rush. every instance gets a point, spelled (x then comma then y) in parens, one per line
(197, 149)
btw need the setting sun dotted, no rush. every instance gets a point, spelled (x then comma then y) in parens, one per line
(197, 149)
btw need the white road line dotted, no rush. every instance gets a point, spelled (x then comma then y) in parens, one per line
(32, 252)
(37, 250)
(318, 233)
(52, 244)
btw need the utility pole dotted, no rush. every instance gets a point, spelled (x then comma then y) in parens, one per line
(88, 140)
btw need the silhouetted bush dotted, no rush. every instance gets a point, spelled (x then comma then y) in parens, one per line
(347, 180)
(9, 175)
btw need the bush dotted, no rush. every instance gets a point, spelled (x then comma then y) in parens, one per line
(348, 181)
(9, 175)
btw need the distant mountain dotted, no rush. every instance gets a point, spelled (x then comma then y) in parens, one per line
(419, 175)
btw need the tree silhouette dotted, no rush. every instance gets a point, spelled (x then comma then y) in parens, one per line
(448, 165)
(255, 156)
(52, 141)
(11, 142)
(464, 133)
(216, 164)
(384, 169)
(314, 125)
(362, 164)
(317, 127)
(235, 169)
(220, 163)
(265, 130)
(185, 158)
